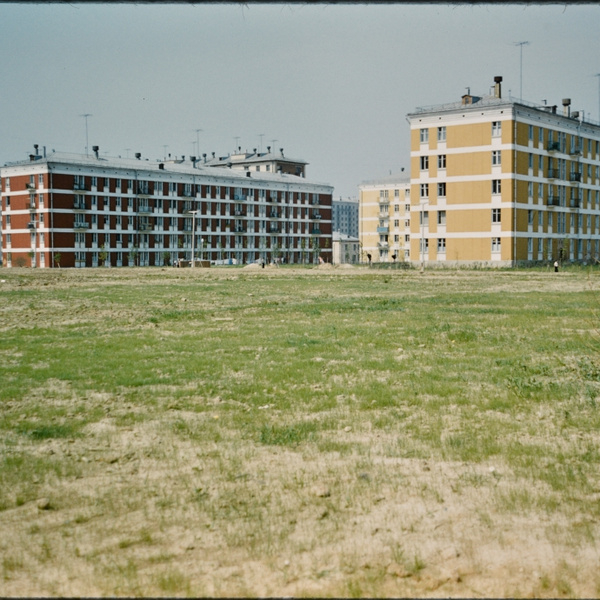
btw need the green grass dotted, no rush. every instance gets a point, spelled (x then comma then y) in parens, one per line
(235, 367)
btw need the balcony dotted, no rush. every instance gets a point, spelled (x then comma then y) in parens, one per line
(32, 205)
(145, 227)
(384, 201)
(240, 229)
(553, 201)
(81, 225)
(144, 209)
(274, 229)
(315, 231)
(575, 202)
(575, 177)
(31, 225)
(316, 216)
(553, 174)
(553, 146)
(80, 186)
(187, 194)
(275, 214)
(240, 213)
(383, 245)
(575, 151)
(239, 197)
(384, 229)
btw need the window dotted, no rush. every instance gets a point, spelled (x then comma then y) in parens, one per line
(496, 128)
(496, 215)
(396, 208)
(530, 189)
(531, 132)
(396, 223)
(396, 193)
(7, 184)
(441, 134)
(496, 157)
(530, 245)
(441, 217)
(442, 161)
(530, 160)
(424, 190)
(441, 245)
(529, 217)
(540, 162)
(540, 135)
(424, 218)
(94, 181)
(424, 163)
(441, 189)
(495, 244)
(41, 179)
(424, 136)
(496, 186)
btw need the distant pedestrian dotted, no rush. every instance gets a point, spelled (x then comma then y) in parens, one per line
(556, 266)
(369, 259)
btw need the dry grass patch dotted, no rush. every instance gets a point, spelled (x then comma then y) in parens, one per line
(294, 432)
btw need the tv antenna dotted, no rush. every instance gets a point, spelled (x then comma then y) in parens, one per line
(85, 116)
(521, 44)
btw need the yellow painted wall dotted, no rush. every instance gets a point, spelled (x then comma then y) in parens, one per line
(472, 134)
(472, 163)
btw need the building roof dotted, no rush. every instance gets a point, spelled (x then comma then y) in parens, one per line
(398, 179)
(252, 157)
(184, 167)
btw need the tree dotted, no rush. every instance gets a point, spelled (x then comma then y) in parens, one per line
(316, 248)
(166, 256)
(57, 257)
(103, 256)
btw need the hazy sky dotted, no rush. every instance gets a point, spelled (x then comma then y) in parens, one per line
(331, 83)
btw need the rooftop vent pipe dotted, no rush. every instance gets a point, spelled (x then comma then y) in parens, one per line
(138, 155)
(566, 107)
(95, 149)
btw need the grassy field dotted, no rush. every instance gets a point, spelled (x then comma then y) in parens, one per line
(299, 432)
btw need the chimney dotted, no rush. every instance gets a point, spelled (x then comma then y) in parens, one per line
(161, 166)
(204, 157)
(213, 154)
(95, 149)
(138, 155)
(269, 149)
(566, 107)
(281, 150)
(498, 86)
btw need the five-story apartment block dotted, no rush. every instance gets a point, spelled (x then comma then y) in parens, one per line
(502, 182)
(86, 211)
(385, 215)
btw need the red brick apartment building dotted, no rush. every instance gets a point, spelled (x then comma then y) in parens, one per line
(86, 211)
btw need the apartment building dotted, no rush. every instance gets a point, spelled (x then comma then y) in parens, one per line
(500, 181)
(346, 249)
(344, 216)
(385, 219)
(86, 211)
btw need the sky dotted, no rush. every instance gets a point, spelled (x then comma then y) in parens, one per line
(330, 83)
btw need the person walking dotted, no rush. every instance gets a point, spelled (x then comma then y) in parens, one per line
(556, 266)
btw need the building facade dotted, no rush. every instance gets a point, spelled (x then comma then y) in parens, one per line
(385, 219)
(345, 216)
(346, 249)
(503, 182)
(87, 211)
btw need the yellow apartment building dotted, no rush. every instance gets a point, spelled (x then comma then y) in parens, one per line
(384, 219)
(502, 182)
